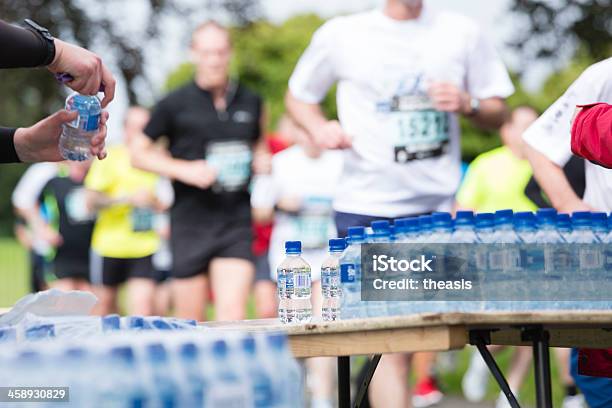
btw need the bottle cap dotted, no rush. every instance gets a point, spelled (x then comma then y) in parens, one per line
(219, 348)
(337, 245)
(189, 351)
(356, 233)
(485, 220)
(123, 353)
(381, 228)
(464, 218)
(425, 221)
(248, 344)
(442, 219)
(293, 247)
(503, 216)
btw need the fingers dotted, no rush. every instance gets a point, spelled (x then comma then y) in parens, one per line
(62, 116)
(98, 141)
(108, 82)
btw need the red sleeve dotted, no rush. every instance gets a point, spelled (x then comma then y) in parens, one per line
(595, 362)
(592, 134)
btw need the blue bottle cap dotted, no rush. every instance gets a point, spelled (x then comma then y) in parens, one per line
(337, 244)
(464, 218)
(382, 227)
(425, 221)
(503, 216)
(562, 218)
(248, 345)
(356, 233)
(135, 322)
(123, 353)
(75, 353)
(485, 220)
(441, 219)
(219, 348)
(160, 324)
(188, 351)
(581, 218)
(293, 247)
(111, 322)
(599, 219)
(277, 341)
(157, 352)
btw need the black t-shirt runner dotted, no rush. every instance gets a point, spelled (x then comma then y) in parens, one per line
(63, 202)
(225, 139)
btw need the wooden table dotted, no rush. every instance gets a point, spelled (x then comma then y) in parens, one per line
(441, 332)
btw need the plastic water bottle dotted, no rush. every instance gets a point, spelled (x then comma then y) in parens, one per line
(294, 286)
(504, 261)
(75, 140)
(381, 234)
(406, 230)
(261, 382)
(599, 221)
(330, 280)
(463, 234)
(189, 357)
(290, 383)
(587, 257)
(165, 388)
(126, 392)
(227, 388)
(350, 274)
(425, 228)
(564, 226)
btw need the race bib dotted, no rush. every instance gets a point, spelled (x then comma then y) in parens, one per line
(142, 219)
(417, 130)
(76, 207)
(314, 222)
(232, 161)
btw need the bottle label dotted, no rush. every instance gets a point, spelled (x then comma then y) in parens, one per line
(347, 273)
(302, 280)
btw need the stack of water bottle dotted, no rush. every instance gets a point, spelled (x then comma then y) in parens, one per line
(181, 369)
(33, 327)
(341, 272)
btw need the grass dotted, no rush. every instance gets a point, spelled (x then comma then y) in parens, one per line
(14, 283)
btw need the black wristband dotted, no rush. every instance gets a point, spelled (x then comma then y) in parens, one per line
(44, 36)
(8, 154)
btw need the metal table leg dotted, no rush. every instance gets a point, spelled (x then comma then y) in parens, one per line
(362, 392)
(480, 339)
(541, 360)
(344, 382)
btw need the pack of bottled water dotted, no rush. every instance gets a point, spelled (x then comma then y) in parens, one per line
(33, 327)
(590, 260)
(209, 368)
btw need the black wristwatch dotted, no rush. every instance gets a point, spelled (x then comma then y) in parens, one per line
(46, 36)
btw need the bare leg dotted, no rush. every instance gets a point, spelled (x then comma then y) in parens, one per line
(266, 301)
(521, 361)
(422, 364)
(162, 299)
(140, 296)
(563, 359)
(389, 386)
(107, 300)
(67, 284)
(190, 297)
(231, 280)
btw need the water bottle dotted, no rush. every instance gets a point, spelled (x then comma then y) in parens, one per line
(294, 286)
(260, 379)
(125, 388)
(505, 260)
(350, 274)
(75, 141)
(406, 230)
(564, 226)
(464, 234)
(587, 257)
(425, 228)
(165, 388)
(227, 387)
(330, 280)
(189, 357)
(290, 384)
(381, 234)
(599, 221)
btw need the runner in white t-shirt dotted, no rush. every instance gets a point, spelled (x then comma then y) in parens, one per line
(548, 149)
(404, 75)
(300, 188)
(549, 138)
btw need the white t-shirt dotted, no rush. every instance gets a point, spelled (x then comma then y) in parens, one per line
(551, 136)
(405, 157)
(30, 186)
(313, 182)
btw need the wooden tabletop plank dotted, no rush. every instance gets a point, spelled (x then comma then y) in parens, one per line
(469, 320)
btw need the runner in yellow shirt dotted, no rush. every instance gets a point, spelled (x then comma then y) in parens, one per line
(124, 237)
(497, 179)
